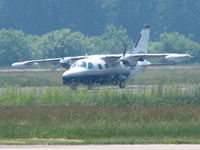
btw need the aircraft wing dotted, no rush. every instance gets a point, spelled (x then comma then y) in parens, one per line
(172, 57)
(60, 61)
(43, 60)
(112, 59)
(132, 59)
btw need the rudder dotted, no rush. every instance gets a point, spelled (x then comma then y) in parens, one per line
(142, 43)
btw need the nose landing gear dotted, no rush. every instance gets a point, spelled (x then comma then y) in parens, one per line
(122, 84)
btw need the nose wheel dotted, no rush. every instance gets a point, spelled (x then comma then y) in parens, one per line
(122, 84)
(73, 86)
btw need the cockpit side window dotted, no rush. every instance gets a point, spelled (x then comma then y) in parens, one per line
(90, 65)
(99, 65)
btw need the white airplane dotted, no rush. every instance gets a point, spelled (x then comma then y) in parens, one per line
(107, 69)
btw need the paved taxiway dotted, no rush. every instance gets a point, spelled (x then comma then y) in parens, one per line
(104, 147)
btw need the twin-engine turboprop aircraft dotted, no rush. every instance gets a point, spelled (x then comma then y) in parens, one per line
(107, 69)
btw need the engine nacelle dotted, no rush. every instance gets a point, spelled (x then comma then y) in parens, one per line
(66, 62)
(177, 57)
(128, 61)
(23, 65)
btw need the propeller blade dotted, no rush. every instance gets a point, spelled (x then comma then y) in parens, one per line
(124, 52)
(56, 67)
(132, 74)
(62, 51)
(137, 70)
(125, 48)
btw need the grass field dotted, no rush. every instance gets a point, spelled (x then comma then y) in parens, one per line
(102, 124)
(59, 96)
(153, 75)
(109, 116)
(168, 112)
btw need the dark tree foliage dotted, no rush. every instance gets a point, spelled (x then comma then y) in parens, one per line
(17, 46)
(13, 47)
(42, 16)
(34, 29)
(91, 16)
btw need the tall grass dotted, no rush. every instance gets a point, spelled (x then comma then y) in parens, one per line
(157, 96)
(29, 78)
(108, 116)
(169, 75)
(100, 122)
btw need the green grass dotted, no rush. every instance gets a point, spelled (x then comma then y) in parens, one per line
(169, 75)
(34, 111)
(153, 75)
(110, 116)
(29, 78)
(102, 124)
(157, 96)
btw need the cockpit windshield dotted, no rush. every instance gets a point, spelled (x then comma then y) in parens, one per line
(79, 64)
(82, 64)
(73, 65)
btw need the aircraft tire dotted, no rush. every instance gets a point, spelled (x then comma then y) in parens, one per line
(122, 84)
(73, 86)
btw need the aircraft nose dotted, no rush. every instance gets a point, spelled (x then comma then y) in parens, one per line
(72, 75)
(16, 65)
(67, 77)
(13, 65)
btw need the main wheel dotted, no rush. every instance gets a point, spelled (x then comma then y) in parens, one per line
(90, 86)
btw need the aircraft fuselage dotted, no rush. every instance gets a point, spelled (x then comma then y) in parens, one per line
(104, 76)
(95, 70)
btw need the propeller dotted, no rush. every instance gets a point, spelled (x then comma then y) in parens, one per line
(124, 61)
(139, 68)
(61, 46)
(125, 47)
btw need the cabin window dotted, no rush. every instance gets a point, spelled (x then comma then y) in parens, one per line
(90, 65)
(99, 65)
(106, 65)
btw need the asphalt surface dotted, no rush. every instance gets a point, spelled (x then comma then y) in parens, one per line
(104, 147)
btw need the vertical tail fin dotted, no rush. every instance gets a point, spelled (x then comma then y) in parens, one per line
(142, 43)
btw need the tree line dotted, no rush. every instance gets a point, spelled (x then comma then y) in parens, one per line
(90, 17)
(15, 45)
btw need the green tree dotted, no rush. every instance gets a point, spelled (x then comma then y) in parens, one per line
(116, 39)
(50, 44)
(176, 43)
(13, 47)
